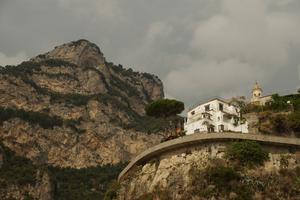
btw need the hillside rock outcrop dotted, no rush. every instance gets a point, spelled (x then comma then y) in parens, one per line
(72, 108)
(186, 174)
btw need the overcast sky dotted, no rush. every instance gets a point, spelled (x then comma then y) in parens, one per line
(199, 48)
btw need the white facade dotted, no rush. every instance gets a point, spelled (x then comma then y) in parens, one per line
(214, 116)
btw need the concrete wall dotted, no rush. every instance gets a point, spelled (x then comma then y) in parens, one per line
(186, 143)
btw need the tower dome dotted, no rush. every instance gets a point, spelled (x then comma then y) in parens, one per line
(256, 92)
(257, 87)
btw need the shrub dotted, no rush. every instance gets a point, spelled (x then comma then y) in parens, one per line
(221, 176)
(111, 192)
(252, 108)
(278, 103)
(279, 123)
(247, 153)
(294, 121)
(164, 108)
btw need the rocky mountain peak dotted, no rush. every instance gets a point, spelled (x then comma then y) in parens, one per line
(81, 52)
(71, 108)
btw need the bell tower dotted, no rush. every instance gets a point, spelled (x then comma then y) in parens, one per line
(256, 93)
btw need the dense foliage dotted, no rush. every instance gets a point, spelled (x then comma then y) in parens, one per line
(147, 124)
(15, 169)
(279, 123)
(277, 104)
(248, 153)
(280, 116)
(164, 108)
(28, 67)
(41, 119)
(112, 191)
(89, 183)
(221, 176)
(69, 184)
(222, 181)
(293, 122)
(219, 181)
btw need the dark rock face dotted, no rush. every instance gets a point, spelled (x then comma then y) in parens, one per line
(71, 107)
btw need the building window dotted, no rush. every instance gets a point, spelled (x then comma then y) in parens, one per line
(193, 112)
(207, 108)
(221, 128)
(221, 107)
(197, 130)
(206, 116)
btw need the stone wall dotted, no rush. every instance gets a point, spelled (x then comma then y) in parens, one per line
(173, 171)
(185, 143)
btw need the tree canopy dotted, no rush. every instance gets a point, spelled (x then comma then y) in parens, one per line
(164, 108)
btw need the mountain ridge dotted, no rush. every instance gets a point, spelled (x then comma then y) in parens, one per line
(93, 104)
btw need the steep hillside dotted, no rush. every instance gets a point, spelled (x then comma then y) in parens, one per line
(71, 108)
(242, 170)
(21, 179)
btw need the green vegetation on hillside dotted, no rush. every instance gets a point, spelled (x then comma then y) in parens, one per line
(88, 183)
(164, 108)
(124, 86)
(39, 118)
(222, 181)
(247, 153)
(28, 67)
(149, 124)
(218, 180)
(221, 176)
(120, 70)
(15, 169)
(112, 191)
(118, 95)
(68, 184)
(284, 123)
(281, 116)
(277, 104)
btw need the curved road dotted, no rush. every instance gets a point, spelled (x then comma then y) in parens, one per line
(189, 140)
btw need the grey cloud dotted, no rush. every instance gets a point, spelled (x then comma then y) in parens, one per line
(199, 48)
(12, 60)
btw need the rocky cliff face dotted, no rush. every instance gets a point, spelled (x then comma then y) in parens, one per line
(71, 108)
(205, 173)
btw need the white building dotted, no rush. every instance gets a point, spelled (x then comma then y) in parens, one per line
(215, 115)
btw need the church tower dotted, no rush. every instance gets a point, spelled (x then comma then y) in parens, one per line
(256, 93)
